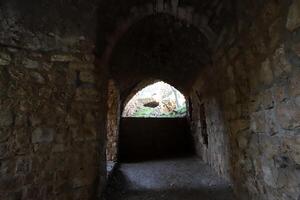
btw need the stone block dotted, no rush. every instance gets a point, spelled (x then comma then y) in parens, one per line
(6, 167)
(81, 66)
(288, 115)
(21, 119)
(37, 77)
(4, 150)
(6, 117)
(23, 166)
(233, 52)
(87, 94)
(270, 11)
(64, 58)
(5, 59)
(266, 73)
(293, 147)
(293, 20)
(280, 64)
(239, 125)
(86, 176)
(243, 140)
(267, 100)
(296, 49)
(270, 172)
(272, 127)
(43, 135)
(58, 148)
(280, 94)
(87, 77)
(4, 134)
(22, 141)
(30, 64)
(230, 96)
(72, 119)
(89, 58)
(275, 33)
(294, 85)
(297, 101)
(85, 134)
(258, 122)
(35, 120)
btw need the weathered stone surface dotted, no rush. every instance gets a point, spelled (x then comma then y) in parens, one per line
(6, 117)
(280, 64)
(293, 21)
(5, 59)
(58, 148)
(64, 58)
(296, 49)
(258, 122)
(30, 64)
(266, 73)
(275, 33)
(293, 146)
(43, 135)
(4, 150)
(288, 115)
(84, 134)
(280, 94)
(267, 100)
(4, 134)
(243, 141)
(23, 166)
(81, 66)
(87, 94)
(297, 100)
(294, 89)
(35, 120)
(83, 178)
(37, 77)
(86, 76)
(230, 96)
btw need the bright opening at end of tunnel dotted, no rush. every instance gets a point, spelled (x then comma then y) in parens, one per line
(159, 100)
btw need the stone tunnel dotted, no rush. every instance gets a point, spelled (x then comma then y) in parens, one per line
(68, 67)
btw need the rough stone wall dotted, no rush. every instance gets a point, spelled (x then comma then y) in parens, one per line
(251, 97)
(113, 120)
(215, 149)
(52, 110)
(50, 125)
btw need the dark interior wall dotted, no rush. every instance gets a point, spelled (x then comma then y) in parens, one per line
(250, 94)
(46, 25)
(154, 138)
(52, 102)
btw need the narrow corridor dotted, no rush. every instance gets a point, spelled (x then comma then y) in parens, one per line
(177, 179)
(72, 75)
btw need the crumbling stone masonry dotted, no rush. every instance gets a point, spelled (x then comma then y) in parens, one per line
(252, 107)
(113, 121)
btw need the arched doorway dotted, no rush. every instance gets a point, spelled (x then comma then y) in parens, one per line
(154, 124)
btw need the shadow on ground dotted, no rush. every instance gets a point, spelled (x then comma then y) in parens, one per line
(178, 179)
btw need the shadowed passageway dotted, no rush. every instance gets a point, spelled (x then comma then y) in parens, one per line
(177, 179)
(69, 67)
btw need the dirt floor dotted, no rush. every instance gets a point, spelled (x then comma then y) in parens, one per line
(178, 179)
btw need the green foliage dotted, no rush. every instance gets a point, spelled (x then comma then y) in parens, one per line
(179, 112)
(147, 112)
(143, 112)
